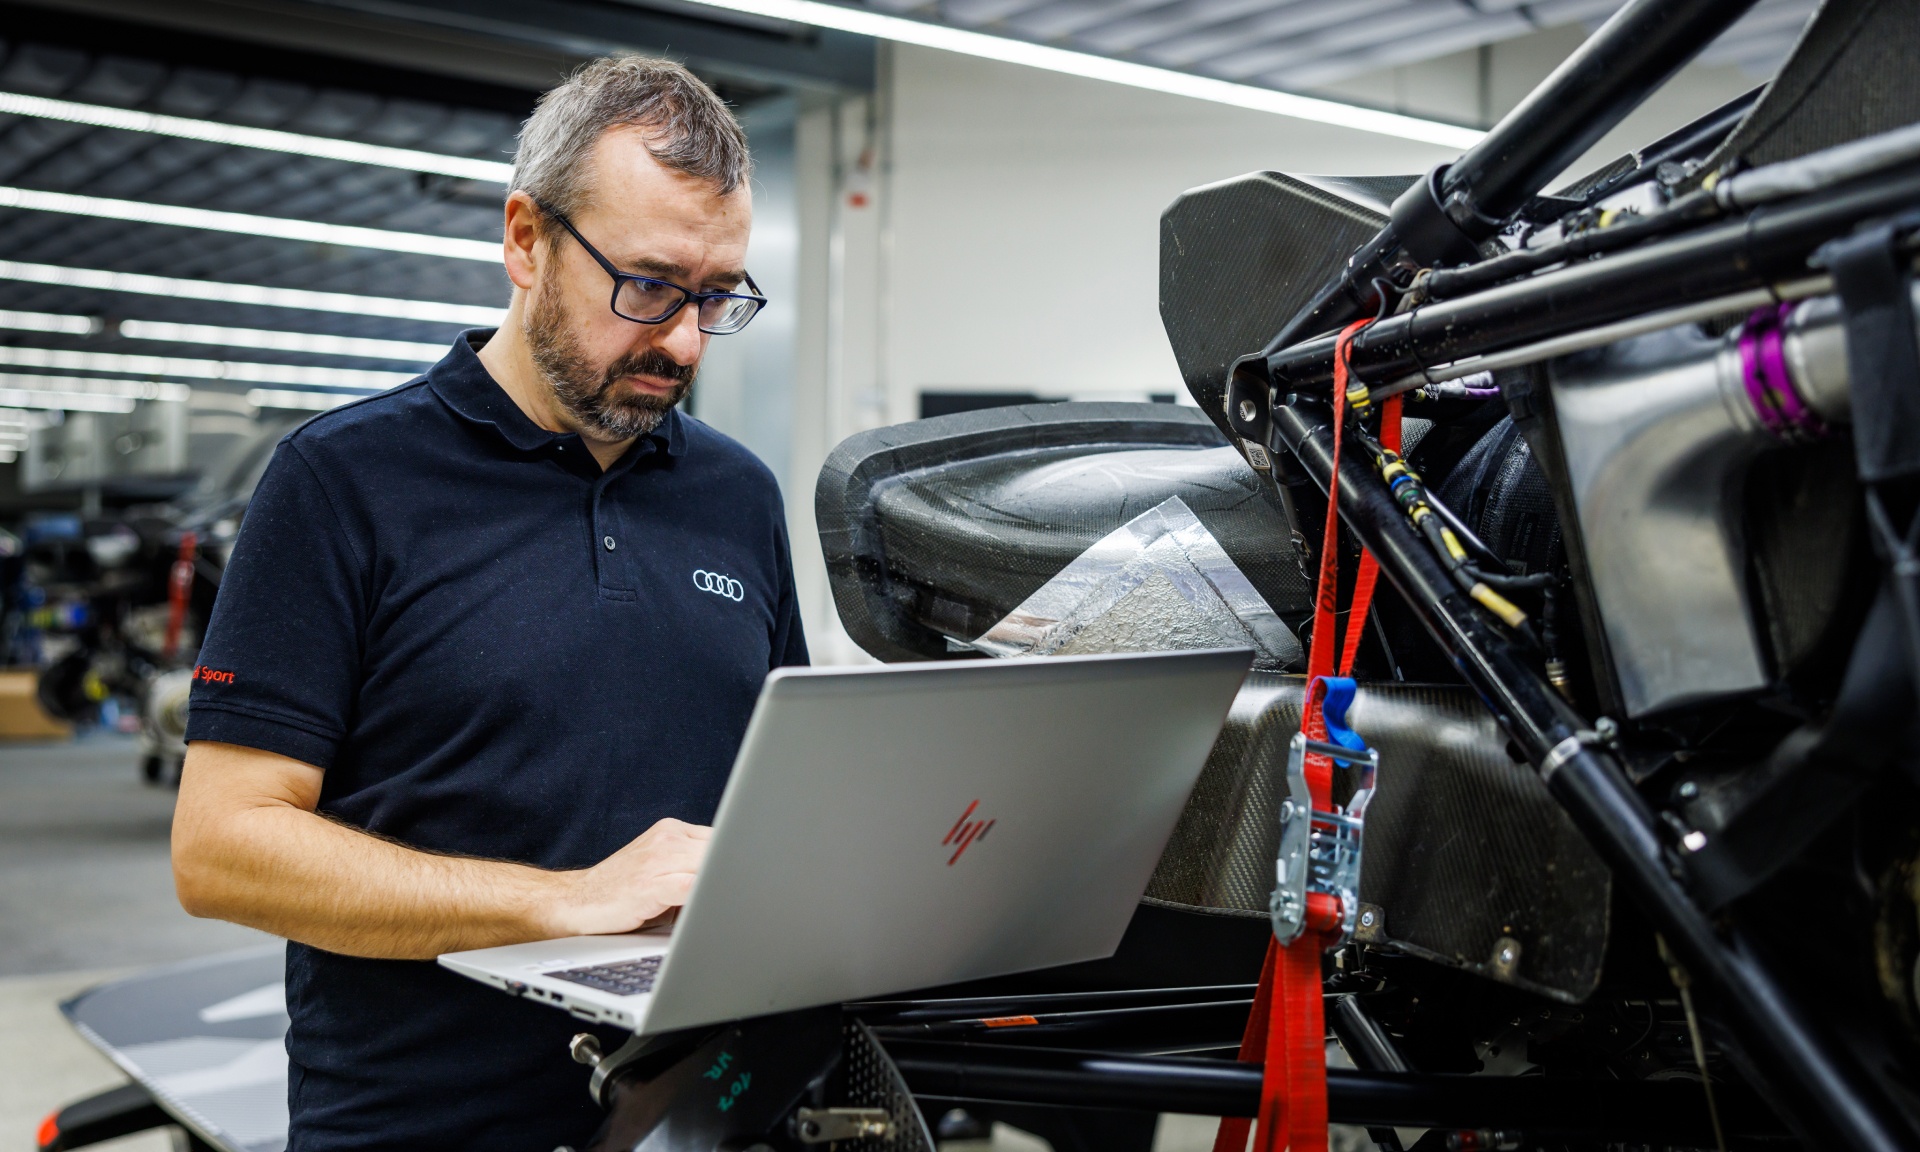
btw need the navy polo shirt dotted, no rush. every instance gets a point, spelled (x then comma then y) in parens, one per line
(493, 648)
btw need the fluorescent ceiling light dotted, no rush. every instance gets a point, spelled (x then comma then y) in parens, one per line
(407, 159)
(278, 227)
(305, 401)
(950, 39)
(279, 341)
(249, 371)
(48, 322)
(80, 394)
(314, 342)
(182, 289)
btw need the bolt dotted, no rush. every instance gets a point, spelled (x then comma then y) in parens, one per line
(1248, 412)
(1607, 729)
(1689, 789)
(1366, 919)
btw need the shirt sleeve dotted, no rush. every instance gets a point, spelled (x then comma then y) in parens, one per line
(279, 669)
(789, 638)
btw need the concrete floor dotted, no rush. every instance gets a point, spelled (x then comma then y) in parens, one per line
(86, 896)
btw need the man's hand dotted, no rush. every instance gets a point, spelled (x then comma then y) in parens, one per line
(639, 883)
(248, 846)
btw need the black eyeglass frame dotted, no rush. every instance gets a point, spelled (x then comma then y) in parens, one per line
(687, 295)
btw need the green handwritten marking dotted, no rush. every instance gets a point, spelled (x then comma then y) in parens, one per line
(720, 1066)
(736, 1090)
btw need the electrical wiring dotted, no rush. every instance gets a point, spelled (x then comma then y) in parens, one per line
(1422, 508)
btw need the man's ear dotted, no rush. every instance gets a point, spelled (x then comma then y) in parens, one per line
(523, 240)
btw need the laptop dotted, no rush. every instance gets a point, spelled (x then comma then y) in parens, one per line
(898, 827)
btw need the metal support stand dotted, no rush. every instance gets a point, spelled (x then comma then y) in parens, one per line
(783, 1083)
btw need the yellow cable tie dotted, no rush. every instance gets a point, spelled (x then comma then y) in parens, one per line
(1498, 605)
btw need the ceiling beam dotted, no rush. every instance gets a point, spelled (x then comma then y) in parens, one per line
(807, 58)
(524, 45)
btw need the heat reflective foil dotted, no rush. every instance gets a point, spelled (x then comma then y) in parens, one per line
(1158, 583)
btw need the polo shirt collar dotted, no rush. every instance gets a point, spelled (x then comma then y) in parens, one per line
(463, 383)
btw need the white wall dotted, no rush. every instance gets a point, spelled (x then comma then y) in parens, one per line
(746, 385)
(1023, 218)
(1480, 85)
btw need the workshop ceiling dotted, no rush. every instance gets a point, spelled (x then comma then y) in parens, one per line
(61, 320)
(107, 171)
(1299, 44)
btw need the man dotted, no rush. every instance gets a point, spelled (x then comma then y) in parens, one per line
(489, 641)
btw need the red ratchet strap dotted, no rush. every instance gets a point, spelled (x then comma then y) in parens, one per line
(1287, 1028)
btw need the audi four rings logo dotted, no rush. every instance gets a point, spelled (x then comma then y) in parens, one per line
(719, 585)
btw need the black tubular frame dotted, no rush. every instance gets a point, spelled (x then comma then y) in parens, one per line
(1814, 1078)
(1617, 68)
(1766, 246)
(1610, 1109)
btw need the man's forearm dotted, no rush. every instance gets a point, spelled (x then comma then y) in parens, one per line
(307, 878)
(249, 848)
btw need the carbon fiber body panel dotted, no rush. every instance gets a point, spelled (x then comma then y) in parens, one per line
(1850, 76)
(1239, 258)
(1467, 861)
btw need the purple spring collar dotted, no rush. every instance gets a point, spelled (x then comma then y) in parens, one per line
(1770, 388)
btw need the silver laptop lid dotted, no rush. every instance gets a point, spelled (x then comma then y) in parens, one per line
(894, 828)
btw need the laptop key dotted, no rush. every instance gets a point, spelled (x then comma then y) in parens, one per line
(624, 978)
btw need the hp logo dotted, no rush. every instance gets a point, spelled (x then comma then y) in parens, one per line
(719, 585)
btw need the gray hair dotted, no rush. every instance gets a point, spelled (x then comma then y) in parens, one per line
(691, 130)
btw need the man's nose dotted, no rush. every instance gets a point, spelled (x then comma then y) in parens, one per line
(682, 339)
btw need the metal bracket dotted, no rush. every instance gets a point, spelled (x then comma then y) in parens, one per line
(1319, 851)
(826, 1125)
(1288, 906)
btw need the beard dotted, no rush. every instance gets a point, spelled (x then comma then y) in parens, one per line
(600, 405)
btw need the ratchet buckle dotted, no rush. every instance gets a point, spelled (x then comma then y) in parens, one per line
(1317, 871)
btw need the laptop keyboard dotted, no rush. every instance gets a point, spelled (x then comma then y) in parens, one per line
(627, 978)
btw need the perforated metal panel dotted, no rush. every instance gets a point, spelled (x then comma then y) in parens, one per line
(874, 1082)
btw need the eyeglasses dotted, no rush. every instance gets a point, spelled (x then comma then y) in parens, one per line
(646, 300)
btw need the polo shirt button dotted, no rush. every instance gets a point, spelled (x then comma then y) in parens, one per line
(608, 541)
